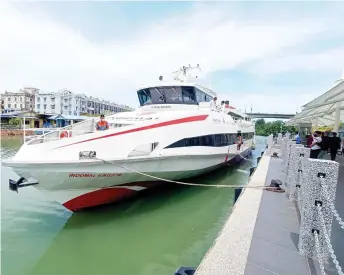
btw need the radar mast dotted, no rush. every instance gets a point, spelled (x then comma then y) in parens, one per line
(185, 73)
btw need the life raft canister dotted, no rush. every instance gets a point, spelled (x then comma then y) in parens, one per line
(64, 134)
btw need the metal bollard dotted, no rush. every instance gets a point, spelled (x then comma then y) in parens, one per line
(297, 156)
(311, 195)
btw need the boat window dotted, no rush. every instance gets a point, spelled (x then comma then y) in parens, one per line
(189, 95)
(207, 140)
(234, 115)
(217, 140)
(172, 94)
(168, 94)
(201, 97)
(208, 98)
(158, 95)
(144, 97)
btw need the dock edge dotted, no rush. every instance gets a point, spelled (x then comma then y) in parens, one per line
(229, 252)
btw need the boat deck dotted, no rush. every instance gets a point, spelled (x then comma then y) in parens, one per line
(271, 245)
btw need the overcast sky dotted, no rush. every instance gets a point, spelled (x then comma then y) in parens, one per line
(275, 56)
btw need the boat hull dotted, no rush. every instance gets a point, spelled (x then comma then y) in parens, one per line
(81, 186)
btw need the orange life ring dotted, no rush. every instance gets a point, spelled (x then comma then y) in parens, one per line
(64, 134)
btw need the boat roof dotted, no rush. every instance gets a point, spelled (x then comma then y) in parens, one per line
(182, 84)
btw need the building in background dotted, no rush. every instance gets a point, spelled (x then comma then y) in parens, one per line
(66, 102)
(24, 99)
(62, 102)
(2, 105)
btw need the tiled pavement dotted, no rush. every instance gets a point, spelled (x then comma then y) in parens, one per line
(274, 244)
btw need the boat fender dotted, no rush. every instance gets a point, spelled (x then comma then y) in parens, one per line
(185, 271)
(64, 134)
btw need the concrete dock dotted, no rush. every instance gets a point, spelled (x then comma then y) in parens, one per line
(261, 234)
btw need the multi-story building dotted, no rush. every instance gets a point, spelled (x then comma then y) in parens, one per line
(67, 103)
(24, 99)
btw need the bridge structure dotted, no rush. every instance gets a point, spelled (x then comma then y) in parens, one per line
(267, 115)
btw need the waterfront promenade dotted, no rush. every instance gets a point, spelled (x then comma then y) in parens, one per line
(261, 234)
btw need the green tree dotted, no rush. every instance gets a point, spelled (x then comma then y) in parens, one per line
(14, 121)
(267, 128)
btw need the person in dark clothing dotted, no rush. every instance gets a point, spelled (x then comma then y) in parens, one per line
(334, 146)
(309, 141)
(325, 145)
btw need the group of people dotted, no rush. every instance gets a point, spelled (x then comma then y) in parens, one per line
(215, 107)
(321, 143)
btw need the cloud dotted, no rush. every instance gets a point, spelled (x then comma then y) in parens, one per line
(37, 51)
(328, 60)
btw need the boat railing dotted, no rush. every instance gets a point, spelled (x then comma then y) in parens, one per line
(42, 135)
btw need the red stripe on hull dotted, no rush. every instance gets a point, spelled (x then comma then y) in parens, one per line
(107, 195)
(99, 197)
(153, 126)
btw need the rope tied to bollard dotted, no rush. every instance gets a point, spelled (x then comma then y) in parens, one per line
(188, 183)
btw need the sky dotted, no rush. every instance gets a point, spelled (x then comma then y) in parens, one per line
(273, 56)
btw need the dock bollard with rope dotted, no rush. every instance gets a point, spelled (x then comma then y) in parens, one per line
(312, 184)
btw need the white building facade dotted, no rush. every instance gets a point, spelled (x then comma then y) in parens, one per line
(67, 103)
(24, 99)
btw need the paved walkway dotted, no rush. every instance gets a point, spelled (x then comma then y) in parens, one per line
(273, 245)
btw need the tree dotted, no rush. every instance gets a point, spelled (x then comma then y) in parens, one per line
(260, 121)
(14, 121)
(267, 128)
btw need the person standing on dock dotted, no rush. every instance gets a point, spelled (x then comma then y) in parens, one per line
(315, 148)
(334, 145)
(309, 140)
(325, 145)
(298, 138)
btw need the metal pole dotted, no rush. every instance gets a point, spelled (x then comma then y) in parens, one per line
(337, 117)
(24, 132)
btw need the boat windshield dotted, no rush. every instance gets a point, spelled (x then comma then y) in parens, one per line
(172, 95)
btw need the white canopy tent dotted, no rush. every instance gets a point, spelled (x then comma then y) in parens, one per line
(325, 110)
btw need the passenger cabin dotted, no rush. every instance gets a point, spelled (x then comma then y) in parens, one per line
(175, 94)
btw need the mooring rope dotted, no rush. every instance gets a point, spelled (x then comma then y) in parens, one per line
(187, 183)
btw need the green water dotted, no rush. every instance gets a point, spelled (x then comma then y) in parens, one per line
(153, 234)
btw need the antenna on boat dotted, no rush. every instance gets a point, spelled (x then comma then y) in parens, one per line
(210, 81)
(184, 73)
